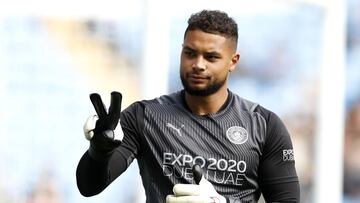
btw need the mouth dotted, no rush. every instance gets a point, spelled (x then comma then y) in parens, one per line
(196, 78)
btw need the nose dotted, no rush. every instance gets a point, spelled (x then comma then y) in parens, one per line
(199, 63)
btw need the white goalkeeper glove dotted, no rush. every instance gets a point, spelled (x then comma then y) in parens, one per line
(203, 192)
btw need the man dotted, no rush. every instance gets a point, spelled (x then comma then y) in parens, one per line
(201, 144)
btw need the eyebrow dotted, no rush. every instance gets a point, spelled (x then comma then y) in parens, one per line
(207, 53)
(188, 48)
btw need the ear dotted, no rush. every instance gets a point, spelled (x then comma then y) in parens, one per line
(234, 60)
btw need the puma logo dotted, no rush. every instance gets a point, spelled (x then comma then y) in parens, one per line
(178, 130)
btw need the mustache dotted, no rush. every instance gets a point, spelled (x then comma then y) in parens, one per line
(197, 75)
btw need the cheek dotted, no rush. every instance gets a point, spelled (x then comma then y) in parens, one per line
(221, 72)
(181, 66)
(182, 69)
(184, 62)
(221, 76)
(185, 65)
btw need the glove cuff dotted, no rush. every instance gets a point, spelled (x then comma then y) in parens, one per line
(99, 156)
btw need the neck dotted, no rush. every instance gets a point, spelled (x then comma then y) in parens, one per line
(204, 105)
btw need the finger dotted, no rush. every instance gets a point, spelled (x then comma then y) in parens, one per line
(187, 199)
(89, 126)
(186, 189)
(198, 173)
(109, 134)
(98, 105)
(115, 103)
(114, 110)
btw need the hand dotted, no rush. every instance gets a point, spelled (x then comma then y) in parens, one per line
(203, 192)
(101, 129)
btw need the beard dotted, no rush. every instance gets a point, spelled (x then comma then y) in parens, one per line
(209, 90)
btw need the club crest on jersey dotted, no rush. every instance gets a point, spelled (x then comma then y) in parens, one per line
(237, 135)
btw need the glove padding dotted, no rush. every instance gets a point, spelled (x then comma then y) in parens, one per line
(99, 129)
(203, 192)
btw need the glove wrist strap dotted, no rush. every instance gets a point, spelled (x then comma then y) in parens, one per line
(99, 156)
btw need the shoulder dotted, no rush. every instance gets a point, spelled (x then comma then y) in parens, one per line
(242, 103)
(276, 130)
(255, 108)
(250, 106)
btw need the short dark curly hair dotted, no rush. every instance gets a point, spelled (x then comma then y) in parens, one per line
(215, 22)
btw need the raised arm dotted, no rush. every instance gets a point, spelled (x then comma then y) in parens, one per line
(108, 156)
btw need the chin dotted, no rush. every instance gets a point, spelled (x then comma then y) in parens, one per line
(201, 92)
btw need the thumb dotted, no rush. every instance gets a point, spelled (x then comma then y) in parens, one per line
(198, 173)
(206, 188)
(205, 185)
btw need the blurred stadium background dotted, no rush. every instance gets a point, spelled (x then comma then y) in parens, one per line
(300, 58)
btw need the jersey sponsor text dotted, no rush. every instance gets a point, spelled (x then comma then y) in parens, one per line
(219, 170)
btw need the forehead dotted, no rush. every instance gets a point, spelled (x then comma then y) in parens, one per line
(199, 40)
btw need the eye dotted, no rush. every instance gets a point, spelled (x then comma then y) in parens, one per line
(189, 53)
(212, 57)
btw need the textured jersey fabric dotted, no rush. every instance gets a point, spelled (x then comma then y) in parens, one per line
(242, 149)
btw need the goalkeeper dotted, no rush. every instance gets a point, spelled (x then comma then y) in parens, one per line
(242, 149)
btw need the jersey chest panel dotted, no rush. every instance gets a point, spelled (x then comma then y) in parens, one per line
(227, 146)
